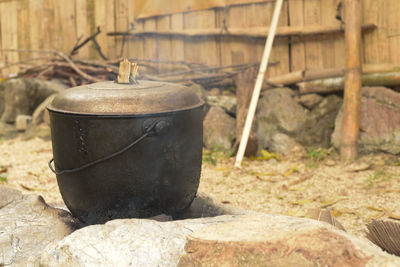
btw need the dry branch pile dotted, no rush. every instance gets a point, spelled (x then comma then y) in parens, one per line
(73, 72)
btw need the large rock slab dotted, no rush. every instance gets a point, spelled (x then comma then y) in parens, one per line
(219, 129)
(379, 121)
(126, 242)
(27, 226)
(8, 195)
(275, 240)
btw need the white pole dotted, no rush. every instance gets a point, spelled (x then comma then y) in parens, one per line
(258, 85)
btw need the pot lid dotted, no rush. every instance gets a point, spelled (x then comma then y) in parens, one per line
(111, 98)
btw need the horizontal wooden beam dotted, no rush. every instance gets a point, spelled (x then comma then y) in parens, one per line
(255, 32)
(310, 81)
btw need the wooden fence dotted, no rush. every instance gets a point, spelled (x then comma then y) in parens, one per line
(309, 35)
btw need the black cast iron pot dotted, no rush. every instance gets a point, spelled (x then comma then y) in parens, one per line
(123, 151)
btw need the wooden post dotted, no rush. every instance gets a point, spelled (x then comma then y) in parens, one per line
(352, 93)
(244, 87)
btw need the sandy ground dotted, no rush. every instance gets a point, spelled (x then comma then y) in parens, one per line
(356, 193)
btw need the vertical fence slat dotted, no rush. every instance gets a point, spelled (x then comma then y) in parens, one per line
(313, 51)
(177, 43)
(150, 42)
(121, 24)
(296, 18)
(201, 49)
(82, 26)
(9, 29)
(164, 42)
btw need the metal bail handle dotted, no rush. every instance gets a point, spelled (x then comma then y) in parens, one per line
(150, 127)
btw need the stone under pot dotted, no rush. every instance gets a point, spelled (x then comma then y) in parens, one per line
(126, 150)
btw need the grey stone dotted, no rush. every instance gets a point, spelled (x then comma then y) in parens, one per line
(8, 195)
(279, 113)
(27, 226)
(126, 242)
(284, 126)
(228, 103)
(279, 105)
(319, 126)
(22, 122)
(379, 121)
(283, 144)
(219, 129)
(22, 96)
(310, 100)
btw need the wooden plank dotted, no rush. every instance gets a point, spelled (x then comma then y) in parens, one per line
(201, 49)
(2, 54)
(110, 26)
(164, 42)
(131, 40)
(137, 43)
(68, 34)
(121, 24)
(104, 18)
(50, 28)
(313, 49)
(150, 43)
(296, 18)
(177, 42)
(280, 51)
(35, 25)
(9, 29)
(82, 26)
(376, 43)
(328, 45)
(248, 32)
(91, 21)
(393, 30)
(24, 41)
(237, 50)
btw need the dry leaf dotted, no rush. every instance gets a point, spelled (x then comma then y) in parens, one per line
(392, 216)
(376, 216)
(302, 202)
(298, 189)
(333, 201)
(340, 212)
(300, 180)
(374, 208)
(290, 171)
(296, 213)
(265, 155)
(222, 169)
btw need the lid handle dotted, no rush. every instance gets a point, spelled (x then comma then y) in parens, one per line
(127, 72)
